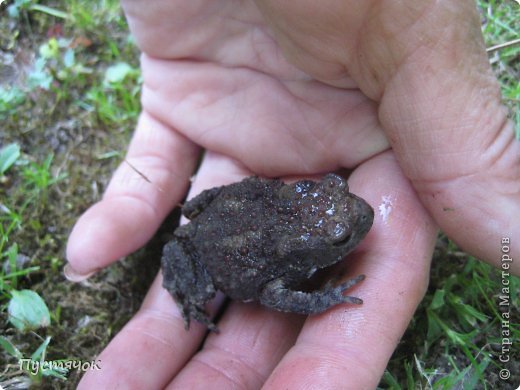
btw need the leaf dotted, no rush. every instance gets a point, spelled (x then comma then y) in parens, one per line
(69, 58)
(50, 49)
(117, 73)
(107, 155)
(467, 312)
(8, 155)
(10, 97)
(49, 11)
(438, 299)
(27, 310)
(434, 328)
(39, 77)
(10, 348)
(13, 10)
(56, 372)
(39, 354)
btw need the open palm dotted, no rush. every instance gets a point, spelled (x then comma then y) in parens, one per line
(295, 90)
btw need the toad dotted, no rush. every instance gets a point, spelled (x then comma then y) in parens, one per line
(259, 239)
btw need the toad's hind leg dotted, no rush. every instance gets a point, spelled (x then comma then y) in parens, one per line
(187, 281)
(276, 296)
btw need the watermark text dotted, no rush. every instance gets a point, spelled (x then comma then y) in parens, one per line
(35, 366)
(504, 303)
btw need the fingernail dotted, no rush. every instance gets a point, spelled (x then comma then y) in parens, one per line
(74, 276)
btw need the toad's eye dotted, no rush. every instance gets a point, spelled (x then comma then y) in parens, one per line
(339, 232)
(333, 182)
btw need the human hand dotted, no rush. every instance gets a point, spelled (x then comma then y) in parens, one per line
(214, 78)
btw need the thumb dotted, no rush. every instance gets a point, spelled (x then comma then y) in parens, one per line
(441, 108)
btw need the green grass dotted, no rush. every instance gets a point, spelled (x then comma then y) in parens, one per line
(501, 24)
(458, 323)
(26, 309)
(66, 124)
(63, 97)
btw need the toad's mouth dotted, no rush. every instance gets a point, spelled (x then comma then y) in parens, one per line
(343, 241)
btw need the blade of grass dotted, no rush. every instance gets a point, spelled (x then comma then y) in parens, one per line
(49, 11)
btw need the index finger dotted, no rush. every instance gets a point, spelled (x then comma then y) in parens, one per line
(133, 206)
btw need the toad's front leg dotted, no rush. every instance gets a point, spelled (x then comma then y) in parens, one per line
(279, 297)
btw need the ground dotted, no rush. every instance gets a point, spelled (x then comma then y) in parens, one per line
(69, 98)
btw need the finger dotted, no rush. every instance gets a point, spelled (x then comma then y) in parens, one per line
(251, 339)
(183, 29)
(151, 348)
(156, 333)
(349, 346)
(442, 108)
(440, 104)
(137, 199)
(251, 342)
(274, 128)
